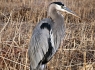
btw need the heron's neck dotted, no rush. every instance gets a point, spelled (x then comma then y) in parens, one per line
(54, 14)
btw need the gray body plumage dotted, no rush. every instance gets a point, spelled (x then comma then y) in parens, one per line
(46, 38)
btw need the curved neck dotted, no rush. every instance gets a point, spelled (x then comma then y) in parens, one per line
(53, 13)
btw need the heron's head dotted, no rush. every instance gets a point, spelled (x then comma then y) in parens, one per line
(61, 7)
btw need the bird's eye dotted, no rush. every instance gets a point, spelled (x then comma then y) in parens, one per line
(62, 6)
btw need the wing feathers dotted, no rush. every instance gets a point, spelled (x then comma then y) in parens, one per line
(41, 47)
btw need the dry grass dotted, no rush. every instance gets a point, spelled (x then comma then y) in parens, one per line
(17, 20)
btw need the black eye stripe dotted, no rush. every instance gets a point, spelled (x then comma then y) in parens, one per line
(59, 3)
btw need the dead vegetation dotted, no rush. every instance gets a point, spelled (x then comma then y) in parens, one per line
(19, 17)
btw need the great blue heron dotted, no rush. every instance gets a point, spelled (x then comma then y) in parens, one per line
(47, 36)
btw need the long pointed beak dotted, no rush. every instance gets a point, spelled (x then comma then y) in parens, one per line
(67, 10)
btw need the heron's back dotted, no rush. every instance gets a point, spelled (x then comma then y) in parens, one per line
(41, 49)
